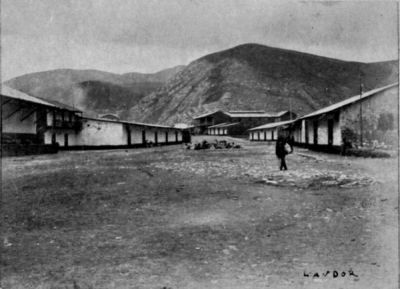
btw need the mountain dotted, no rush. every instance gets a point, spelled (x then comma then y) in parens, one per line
(158, 77)
(257, 77)
(93, 91)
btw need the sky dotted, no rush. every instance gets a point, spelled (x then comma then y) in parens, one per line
(123, 36)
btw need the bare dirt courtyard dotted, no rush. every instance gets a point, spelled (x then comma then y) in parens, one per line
(168, 217)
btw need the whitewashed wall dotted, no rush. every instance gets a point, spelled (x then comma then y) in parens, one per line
(264, 135)
(73, 138)
(323, 131)
(337, 133)
(136, 135)
(303, 131)
(150, 135)
(179, 136)
(49, 118)
(300, 134)
(166, 137)
(310, 132)
(109, 133)
(96, 133)
(269, 134)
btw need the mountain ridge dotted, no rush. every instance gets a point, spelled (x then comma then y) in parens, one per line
(254, 76)
(93, 91)
(245, 77)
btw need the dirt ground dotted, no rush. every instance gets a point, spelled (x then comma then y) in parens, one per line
(168, 217)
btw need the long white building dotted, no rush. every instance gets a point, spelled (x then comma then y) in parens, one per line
(101, 133)
(370, 117)
(34, 125)
(269, 131)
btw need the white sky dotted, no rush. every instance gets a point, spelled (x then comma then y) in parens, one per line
(149, 35)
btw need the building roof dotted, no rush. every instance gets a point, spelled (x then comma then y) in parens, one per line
(348, 101)
(256, 114)
(130, 122)
(109, 116)
(183, 126)
(273, 125)
(209, 113)
(223, 125)
(245, 113)
(16, 94)
(61, 105)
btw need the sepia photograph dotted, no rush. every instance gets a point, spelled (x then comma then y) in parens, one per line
(199, 144)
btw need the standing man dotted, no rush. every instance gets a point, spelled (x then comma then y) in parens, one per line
(282, 150)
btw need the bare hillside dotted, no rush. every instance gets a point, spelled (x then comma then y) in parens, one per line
(253, 76)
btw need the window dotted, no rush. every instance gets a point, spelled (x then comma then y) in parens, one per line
(66, 140)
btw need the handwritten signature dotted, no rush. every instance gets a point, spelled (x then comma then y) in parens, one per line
(334, 274)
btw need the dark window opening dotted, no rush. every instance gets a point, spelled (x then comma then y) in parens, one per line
(143, 137)
(66, 140)
(315, 129)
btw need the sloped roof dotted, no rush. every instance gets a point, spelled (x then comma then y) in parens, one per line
(131, 122)
(225, 124)
(245, 113)
(273, 125)
(256, 114)
(348, 101)
(183, 126)
(209, 113)
(62, 105)
(109, 116)
(16, 94)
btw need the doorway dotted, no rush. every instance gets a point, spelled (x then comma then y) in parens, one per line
(66, 140)
(315, 130)
(128, 133)
(330, 132)
(306, 131)
(143, 137)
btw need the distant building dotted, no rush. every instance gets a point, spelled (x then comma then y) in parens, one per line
(368, 118)
(202, 122)
(269, 131)
(236, 122)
